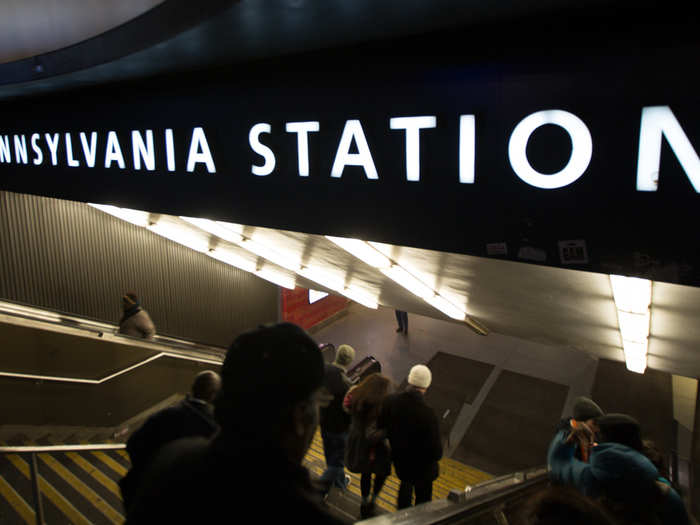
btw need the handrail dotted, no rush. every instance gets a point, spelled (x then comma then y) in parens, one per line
(61, 448)
(472, 502)
(87, 324)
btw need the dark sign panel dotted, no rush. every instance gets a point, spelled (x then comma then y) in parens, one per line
(592, 167)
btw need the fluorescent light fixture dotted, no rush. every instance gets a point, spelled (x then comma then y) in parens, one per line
(631, 293)
(446, 307)
(328, 281)
(398, 274)
(181, 236)
(271, 255)
(233, 259)
(137, 217)
(231, 226)
(634, 348)
(277, 278)
(634, 327)
(362, 251)
(315, 295)
(636, 355)
(360, 296)
(214, 228)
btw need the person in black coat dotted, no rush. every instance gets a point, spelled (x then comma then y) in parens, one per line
(414, 434)
(268, 412)
(193, 416)
(335, 422)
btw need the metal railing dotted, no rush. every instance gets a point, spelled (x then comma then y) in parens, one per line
(490, 498)
(34, 450)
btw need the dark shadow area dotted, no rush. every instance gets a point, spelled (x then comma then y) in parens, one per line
(514, 426)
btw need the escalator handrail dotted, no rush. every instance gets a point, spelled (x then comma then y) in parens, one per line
(472, 501)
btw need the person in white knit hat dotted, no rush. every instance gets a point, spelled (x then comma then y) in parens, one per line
(414, 434)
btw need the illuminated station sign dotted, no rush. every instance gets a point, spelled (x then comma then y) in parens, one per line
(595, 170)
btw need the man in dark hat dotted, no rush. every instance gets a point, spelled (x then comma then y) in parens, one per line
(268, 413)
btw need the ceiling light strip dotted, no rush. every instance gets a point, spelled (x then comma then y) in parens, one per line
(632, 297)
(370, 255)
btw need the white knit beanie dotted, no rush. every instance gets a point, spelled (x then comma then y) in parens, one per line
(420, 376)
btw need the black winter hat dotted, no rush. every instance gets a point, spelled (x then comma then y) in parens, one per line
(267, 369)
(620, 428)
(585, 409)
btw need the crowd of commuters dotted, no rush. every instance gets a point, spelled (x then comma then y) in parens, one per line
(237, 442)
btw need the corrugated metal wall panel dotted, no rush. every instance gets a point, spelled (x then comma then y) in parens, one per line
(68, 256)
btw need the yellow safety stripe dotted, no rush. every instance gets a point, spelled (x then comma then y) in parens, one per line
(90, 495)
(94, 472)
(111, 463)
(124, 454)
(65, 506)
(17, 502)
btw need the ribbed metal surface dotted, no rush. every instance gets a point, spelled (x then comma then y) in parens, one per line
(68, 256)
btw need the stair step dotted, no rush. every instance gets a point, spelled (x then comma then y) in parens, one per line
(88, 474)
(13, 507)
(57, 508)
(66, 480)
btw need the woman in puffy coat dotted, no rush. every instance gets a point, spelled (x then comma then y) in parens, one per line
(367, 451)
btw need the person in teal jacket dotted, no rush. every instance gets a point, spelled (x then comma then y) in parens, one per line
(616, 473)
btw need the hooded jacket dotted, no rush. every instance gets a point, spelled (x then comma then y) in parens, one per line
(617, 473)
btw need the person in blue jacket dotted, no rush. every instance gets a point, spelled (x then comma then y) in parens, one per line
(617, 473)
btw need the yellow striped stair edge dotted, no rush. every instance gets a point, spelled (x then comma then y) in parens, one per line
(453, 475)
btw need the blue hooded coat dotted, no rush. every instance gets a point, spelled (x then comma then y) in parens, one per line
(618, 473)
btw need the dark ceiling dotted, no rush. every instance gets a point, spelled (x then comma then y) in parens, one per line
(179, 35)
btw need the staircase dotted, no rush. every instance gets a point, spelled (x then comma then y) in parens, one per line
(82, 487)
(76, 487)
(453, 475)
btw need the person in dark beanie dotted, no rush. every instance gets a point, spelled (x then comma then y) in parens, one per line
(586, 412)
(135, 321)
(617, 473)
(193, 416)
(268, 412)
(414, 435)
(335, 422)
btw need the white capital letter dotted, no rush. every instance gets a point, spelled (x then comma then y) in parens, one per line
(199, 142)
(5, 152)
(53, 147)
(302, 130)
(170, 149)
(658, 121)
(90, 152)
(363, 157)
(467, 148)
(20, 149)
(581, 148)
(412, 125)
(114, 150)
(37, 150)
(69, 153)
(143, 150)
(261, 149)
